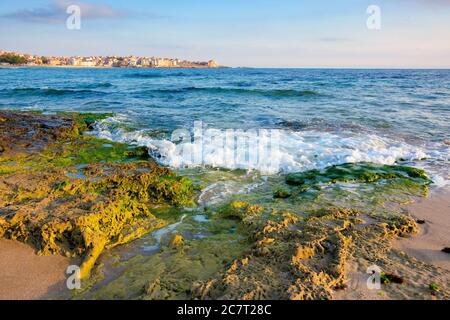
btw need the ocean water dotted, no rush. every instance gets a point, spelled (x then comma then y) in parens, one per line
(316, 117)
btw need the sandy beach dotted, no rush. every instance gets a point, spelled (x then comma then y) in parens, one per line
(433, 216)
(25, 275)
(433, 234)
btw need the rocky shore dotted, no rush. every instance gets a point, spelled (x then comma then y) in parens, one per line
(74, 195)
(301, 236)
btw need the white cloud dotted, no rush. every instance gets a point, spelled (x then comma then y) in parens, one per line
(55, 12)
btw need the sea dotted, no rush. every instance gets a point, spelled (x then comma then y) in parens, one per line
(273, 121)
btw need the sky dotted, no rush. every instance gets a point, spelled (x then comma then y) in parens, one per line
(237, 33)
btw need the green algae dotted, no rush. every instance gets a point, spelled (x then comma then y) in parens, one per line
(114, 201)
(72, 148)
(171, 273)
(281, 193)
(87, 119)
(84, 120)
(434, 287)
(239, 210)
(80, 151)
(303, 242)
(387, 278)
(6, 169)
(86, 217)
(156, 185)
(355, 173)
(400, 185)
(86, 150)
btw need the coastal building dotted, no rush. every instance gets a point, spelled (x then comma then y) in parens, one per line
(212, 64)
(108, 61)
(132, 61)
(88, 62)
(164, 63)
(52, 61)
(74, 61)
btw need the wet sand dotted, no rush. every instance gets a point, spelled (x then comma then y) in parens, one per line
(434, 234)
(25, 275)
(426, 246)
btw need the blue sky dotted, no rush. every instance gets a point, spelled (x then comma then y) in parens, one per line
(258, 33)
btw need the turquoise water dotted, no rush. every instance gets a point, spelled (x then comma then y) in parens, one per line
(322, 116)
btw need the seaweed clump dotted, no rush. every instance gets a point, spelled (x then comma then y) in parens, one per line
(182, 259)
(356, 173)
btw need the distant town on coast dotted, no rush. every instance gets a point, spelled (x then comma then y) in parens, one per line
(22, 59)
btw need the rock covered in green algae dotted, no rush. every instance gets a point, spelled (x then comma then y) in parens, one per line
(24, 132)
(281, 193)
(171, 272)
(295, 258)
(177, 241)
(355, 173)
(109, 201)
(300, 251)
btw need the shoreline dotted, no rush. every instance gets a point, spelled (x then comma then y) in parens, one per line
(423, 247)
(433, 234)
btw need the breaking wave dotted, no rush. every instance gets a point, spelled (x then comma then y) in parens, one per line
(295, 150)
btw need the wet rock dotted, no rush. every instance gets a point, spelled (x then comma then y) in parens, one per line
(154, 291)
(294, 258)
(282, 194)
(110, 204)
(241, 210)
(387, 278)
(446, 250)
(434, 288)
(355, 173)
(177, 241)
(25, 132)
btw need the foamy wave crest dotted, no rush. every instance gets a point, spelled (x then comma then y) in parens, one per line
(269, 151)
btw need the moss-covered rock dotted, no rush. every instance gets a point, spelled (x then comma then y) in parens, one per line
(299, 258)
(60, 207)
(356, 173)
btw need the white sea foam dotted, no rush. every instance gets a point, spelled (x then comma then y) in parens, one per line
(296, 150)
